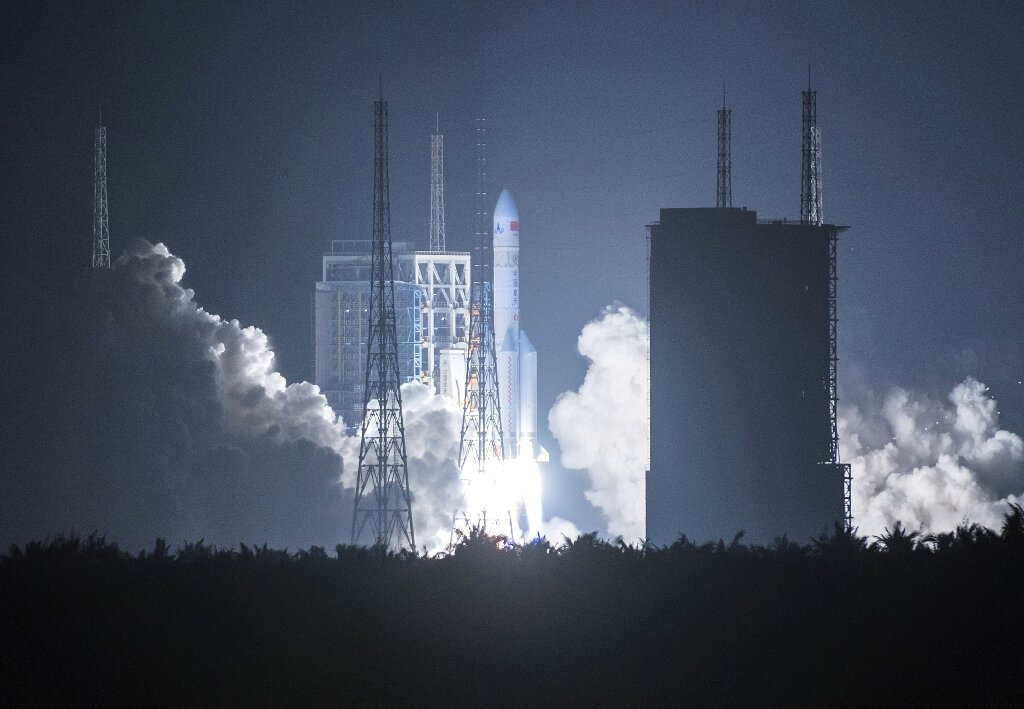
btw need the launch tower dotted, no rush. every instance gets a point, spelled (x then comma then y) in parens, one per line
(481, 444)
(383, 501)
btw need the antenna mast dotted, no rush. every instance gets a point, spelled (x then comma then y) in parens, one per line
(437, 189)
(383, 501)
(810, 173)
(100, 216)
(724, 155)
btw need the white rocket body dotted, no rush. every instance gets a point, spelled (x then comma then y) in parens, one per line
(517, 357)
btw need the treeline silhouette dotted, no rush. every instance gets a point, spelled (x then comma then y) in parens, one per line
(839, 621)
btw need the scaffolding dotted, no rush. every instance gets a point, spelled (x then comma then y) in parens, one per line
(443, 280)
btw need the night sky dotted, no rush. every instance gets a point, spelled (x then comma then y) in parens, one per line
(240, 135)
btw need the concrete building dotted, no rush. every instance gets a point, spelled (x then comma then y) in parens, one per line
(742, 356)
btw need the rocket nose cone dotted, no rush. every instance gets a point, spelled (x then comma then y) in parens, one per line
(506, 206)
(506, 216)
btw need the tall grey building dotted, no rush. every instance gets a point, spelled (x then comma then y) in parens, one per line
(742, 377)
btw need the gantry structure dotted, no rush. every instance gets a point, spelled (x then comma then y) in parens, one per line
(481, 444)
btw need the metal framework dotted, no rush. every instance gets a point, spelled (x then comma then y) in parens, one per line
(100, 216)
(437, 191)
(481, 443)
(810, 171)
(443, 279)
(833, 370)
(724, 157)
(811, 213)
(383, 501)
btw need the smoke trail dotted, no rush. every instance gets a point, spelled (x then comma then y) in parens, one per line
(139, 414)
(931, 464)
(603, 427)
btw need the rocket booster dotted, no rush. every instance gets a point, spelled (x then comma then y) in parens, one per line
(506, 269)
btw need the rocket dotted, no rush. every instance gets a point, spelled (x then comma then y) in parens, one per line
(516, 355)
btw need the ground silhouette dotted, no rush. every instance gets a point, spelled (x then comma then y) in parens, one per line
(838, 621)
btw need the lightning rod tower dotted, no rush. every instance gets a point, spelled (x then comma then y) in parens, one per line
(383, 501)
(724, 156)
(100, 217)
(810, 170)
(481, 444)
(811, 213)
(437, 189)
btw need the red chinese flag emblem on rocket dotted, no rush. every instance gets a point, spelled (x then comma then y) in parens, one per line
(514, 226)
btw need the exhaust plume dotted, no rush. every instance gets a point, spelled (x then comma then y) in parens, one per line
(604, 426)
(931, 464)
(141, 415)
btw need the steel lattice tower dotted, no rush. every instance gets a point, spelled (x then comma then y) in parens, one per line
(810, 171)
(811, 213)
(481, 442)
(100, 216)
(724, 156)
(383, 501)
(437, 190)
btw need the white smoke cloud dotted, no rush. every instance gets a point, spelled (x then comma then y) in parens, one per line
(174, 422)
(255, 400)
(557, 530)
(433, 425)
(604, 427)
(432, 428)
(931, 464)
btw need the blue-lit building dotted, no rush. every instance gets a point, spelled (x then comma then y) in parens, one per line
(341, 313)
